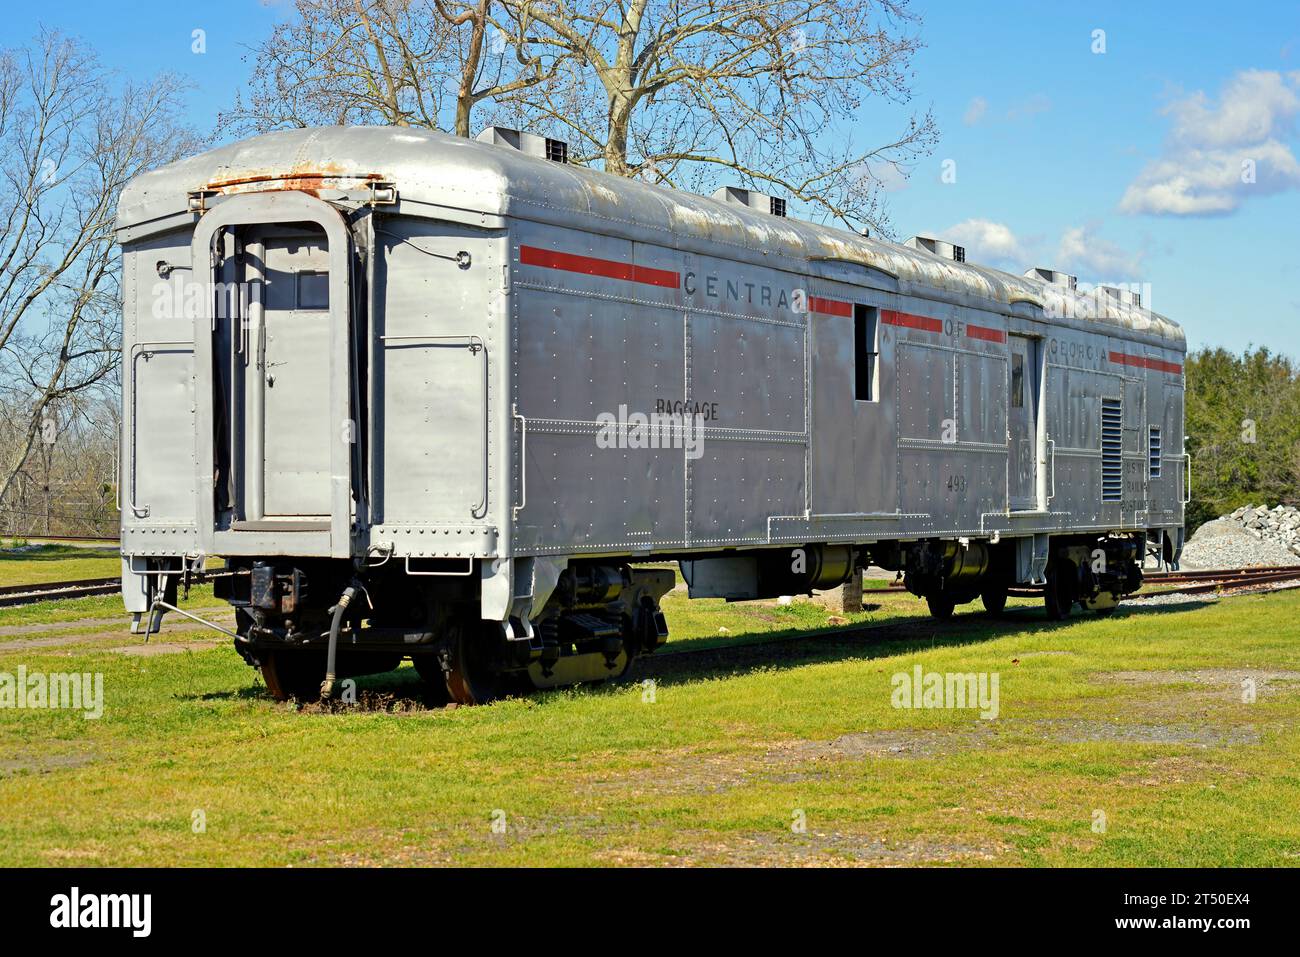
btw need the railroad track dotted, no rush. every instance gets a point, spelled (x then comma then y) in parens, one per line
(1185, 582)
(11, 595)
(764, 652)
(53, 591)
(1217, 580)
(1196, 582)
(1219, 574)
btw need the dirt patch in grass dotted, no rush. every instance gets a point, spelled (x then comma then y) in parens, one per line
(919, 743)
(9, 631)
(813, 848)
(155, 648)
(839, 848)
(817, 847)
(122, 622)
(1167, 719)
(1227, 679)
(1174, 770)
(56, 642)
(1083, 730)
(70, 854)
(455, 845)
(694, 772)
(41, 763)
(407, 701)
(150, 647)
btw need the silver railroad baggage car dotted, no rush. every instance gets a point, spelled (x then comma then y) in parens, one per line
(445, 399)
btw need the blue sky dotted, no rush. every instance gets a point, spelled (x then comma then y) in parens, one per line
(1115, 166)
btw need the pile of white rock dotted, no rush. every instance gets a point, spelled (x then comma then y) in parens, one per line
(1249, 536)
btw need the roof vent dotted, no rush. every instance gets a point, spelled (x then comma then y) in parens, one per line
(1053, 277)
(938, 247)
(530, 144)
(771, 205)
(1125, 297)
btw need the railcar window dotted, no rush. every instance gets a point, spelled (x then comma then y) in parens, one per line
(313, 290)
(1017, 381)
(866, 355)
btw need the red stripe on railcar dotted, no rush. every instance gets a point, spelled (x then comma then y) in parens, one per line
(1144, 362)
(605, 268)
(909, 321)
(830, 307)
(985, 333)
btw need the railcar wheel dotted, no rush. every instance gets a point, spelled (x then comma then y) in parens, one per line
(1058, 590)
(941, 606)
(995, 599)
(474, 674)
(430, 670)
(292, 674)
(625, 675)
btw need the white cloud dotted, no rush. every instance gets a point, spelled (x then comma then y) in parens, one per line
(1038, 103)
(1217, 155)
(1082, 252)
(1255, 105)
(891, 178)
(978, 109)
(986, 242)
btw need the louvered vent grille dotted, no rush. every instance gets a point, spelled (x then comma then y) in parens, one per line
(557, 151)
(1153, 452)
(1112, 450)
(778, 206)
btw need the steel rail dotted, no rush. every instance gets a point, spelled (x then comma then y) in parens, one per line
(27, 594)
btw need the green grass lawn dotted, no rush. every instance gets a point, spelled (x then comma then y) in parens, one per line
(37, 564)
(1138, 721)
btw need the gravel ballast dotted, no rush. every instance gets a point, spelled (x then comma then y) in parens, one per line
(1249, 536)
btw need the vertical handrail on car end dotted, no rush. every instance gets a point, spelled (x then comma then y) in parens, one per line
(1187, 483)
(523, 462)
(138, 350)
(1051, 493)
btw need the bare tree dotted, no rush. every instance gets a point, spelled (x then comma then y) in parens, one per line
(687, 93)
(386, 62)
(69, 487)
(70, 139)
(696, 92)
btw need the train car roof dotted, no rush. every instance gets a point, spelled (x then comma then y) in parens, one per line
(437, 170)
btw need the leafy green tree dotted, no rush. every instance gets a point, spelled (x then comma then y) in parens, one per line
(1243, 431)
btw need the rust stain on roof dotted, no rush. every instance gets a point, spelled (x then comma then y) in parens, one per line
(308, 178)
